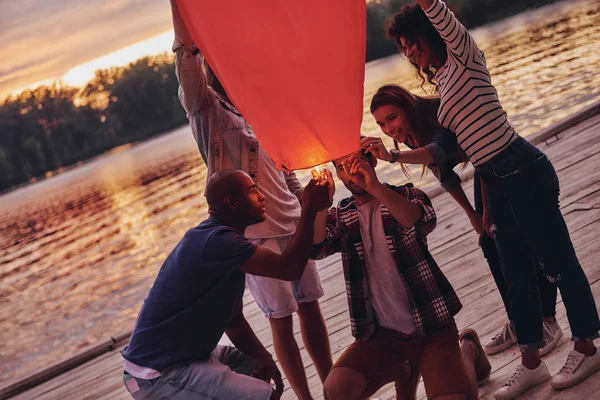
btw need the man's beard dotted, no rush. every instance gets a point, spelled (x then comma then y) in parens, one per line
(355, 189)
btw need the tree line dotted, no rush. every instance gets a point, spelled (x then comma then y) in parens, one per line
(55, 126)
(51, 127)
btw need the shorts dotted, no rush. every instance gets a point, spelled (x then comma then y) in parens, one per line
(381, 359)
(277, 298)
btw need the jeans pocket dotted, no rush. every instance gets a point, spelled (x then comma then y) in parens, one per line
(179, 375)
(547, 174)
(505, 167)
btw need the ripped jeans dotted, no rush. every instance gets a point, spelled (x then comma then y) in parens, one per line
(523, 196)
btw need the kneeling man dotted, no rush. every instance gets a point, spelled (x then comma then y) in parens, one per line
(197, 296)
(402, 306)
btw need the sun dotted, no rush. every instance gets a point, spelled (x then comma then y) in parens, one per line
(83, 73)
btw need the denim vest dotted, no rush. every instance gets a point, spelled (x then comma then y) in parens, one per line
(224, 137)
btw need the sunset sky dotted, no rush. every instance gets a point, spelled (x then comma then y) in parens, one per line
(45, 40)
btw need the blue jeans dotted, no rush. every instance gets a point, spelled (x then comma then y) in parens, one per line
(225, 375)
(548, 290)
(523, 194)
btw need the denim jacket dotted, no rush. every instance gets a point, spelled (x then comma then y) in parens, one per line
(224, 137)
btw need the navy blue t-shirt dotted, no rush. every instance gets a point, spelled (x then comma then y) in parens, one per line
(198, 290)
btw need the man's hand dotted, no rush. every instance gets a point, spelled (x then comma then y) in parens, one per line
(325, 177)
(361, 172)
(267, 370)
(376, 147)
(316, 195)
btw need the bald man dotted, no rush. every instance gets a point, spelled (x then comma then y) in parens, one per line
(197, 296)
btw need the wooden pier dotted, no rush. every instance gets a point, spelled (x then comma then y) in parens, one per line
(573, 146)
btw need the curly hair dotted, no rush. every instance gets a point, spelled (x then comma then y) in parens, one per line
(411, 23)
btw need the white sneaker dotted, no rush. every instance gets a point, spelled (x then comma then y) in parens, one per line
(502, 341)
(552, 334)
(521, 381)
(577, 367)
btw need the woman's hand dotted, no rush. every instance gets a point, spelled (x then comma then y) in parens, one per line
(376, 147)
(476, 221)
(488, 226)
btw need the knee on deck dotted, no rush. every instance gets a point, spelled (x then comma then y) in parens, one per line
(344, 384)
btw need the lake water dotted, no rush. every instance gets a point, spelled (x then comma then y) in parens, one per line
(79, 251)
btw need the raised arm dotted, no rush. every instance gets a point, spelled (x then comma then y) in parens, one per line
(193, 89)
(375, 146)
(402, 209)
(290, 265)
(458, 40)
(321, 220)
(405, 211)
(293, 184)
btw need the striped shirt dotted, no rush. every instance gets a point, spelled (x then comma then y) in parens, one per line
(469, 104)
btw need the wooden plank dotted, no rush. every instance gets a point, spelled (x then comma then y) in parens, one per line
(575, 156)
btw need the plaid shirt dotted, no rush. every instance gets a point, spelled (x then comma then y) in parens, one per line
(433, 301)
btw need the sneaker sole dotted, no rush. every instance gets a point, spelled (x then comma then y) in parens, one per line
(560, 386)
(517, 394)
(491, 350)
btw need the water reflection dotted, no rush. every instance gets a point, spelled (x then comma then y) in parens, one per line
(79, 251)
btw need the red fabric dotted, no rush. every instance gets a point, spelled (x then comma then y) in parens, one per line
(294, 69)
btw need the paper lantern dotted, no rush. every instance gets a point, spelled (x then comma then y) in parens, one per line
(294, 69)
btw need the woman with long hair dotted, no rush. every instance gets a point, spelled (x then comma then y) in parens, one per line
(412, 120)
(520, 189)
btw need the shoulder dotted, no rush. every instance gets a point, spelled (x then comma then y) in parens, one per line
(217, 235)
(212, 237)
(446, 139)
(344, 204)
(222, 247)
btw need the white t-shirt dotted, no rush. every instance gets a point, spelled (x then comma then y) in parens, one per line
(283, 207)
(387, 288)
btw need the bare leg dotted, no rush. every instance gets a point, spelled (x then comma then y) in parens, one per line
(530, 358)
(288, 354)
(314, 335)
(586, 347)
(345, 384)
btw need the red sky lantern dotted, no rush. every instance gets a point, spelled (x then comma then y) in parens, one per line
(294, 69)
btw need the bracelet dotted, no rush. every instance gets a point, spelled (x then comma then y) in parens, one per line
(395, 156)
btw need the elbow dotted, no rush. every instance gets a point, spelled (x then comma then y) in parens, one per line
(411, 224)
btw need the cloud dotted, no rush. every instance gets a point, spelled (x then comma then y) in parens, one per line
(43, 39)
